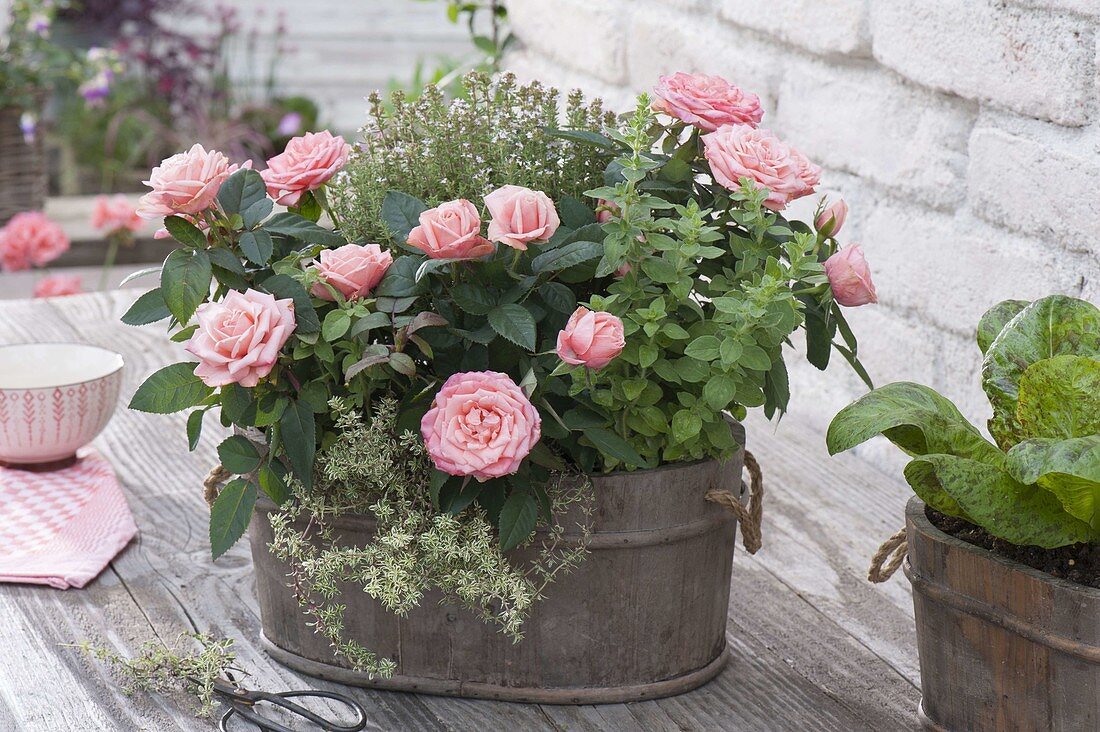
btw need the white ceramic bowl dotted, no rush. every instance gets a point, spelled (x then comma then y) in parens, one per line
(54, 399)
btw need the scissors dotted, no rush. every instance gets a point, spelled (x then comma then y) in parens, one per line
(242, 702)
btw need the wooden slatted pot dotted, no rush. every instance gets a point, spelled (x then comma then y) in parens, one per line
(1002, 646)
(643, 616)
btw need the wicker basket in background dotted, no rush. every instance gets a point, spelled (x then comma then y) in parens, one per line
(22, 168)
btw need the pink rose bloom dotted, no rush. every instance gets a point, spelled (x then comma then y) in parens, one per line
(480, 424)
(186, 183)
(30, 239)
(837, 213)
(239, 338)
(740, 151)
(591, 339)
(451, 231)
(307, 163)
(115, 214)
(850, 277)
(57, 286)
(708, 102)
(352, 269)
(520, 215)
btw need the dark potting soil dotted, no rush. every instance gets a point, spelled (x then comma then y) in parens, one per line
(1078, 563)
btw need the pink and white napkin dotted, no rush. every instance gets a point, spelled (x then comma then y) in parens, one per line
(61, 528)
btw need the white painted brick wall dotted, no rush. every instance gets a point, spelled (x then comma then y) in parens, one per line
(964, 133)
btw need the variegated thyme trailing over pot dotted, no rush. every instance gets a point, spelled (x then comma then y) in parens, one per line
(512, 304)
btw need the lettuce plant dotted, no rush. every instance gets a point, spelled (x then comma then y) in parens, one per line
(1038, 483)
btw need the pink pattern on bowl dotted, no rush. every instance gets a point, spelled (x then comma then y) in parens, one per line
(54, 399)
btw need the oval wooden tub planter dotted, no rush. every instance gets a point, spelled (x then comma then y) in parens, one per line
(1002, 646)
(643, 616)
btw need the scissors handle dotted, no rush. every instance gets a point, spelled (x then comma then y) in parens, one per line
(242, 703)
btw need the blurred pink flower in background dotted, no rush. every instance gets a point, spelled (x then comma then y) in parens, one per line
(115, 214)
(307, 164)
(57, 285)
(850, 277)
(30, 239)
(740, 151)
(708, 102)
(290, 124)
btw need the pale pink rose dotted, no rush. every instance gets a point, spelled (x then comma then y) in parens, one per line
(591, 339)
(239, 338)
(307, 163)
(480, 424)
(186, 183)
(115, 214)
(30, 239)
(850, 277)
(352, 269)
(520, 216)
(57, 286)
(740, 151)
(451, 231)
(708, 102)
(837, 213)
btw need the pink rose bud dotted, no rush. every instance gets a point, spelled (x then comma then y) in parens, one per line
(57, 286)
(740, 151)
(186, 183)
(308, 162)
(832, 218)
(520, 216)
(605, 211)
(239, 338)
(352, 269)
(480, 424)
(30, 239)
(708, 102)
(591, 339)
(850, 277)
(115, 214)
(451, 231)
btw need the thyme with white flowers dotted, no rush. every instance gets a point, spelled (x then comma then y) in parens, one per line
(371, 469)
(439, 150)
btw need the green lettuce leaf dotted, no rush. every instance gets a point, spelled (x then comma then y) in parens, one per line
(1006, 508)
(1060, 397)
(1069, 469)
(913, 417)
(995, 319)
(1054, 326)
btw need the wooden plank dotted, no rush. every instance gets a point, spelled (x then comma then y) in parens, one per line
(824, 517)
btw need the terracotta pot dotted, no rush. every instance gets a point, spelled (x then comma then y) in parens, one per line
(1002, 646)
(643, 616)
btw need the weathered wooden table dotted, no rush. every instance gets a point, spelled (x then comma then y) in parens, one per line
(815, 647)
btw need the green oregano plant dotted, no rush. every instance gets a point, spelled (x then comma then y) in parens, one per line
(1039, 484)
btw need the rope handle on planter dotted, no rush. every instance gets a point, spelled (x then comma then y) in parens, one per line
(888, 558)
(212, 483)
(750, 517)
